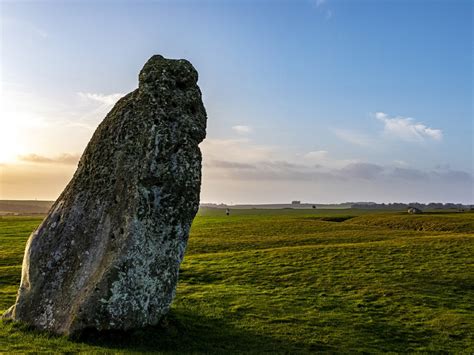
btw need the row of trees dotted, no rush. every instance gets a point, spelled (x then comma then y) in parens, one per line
(421, 206)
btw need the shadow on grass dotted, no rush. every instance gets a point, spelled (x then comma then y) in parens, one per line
(383, 336)
(181, 332)
(330, 218)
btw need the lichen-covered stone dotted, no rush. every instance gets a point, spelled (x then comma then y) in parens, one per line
(107, 255)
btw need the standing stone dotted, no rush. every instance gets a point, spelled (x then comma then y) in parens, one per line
(107, 255)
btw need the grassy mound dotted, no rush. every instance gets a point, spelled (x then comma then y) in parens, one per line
(446, 222)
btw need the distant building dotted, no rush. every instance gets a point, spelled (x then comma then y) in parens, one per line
(414, 210)
(296, 202)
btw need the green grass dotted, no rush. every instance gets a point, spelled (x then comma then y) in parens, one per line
(294, 281)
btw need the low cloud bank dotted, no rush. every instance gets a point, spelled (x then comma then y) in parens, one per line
(242, 171)
(42, 159)
(240, 159)
(283, 170)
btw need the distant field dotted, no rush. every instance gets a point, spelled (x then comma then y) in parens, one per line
(24, 207)
(295, 281)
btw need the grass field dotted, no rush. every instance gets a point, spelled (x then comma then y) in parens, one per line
(294, 281)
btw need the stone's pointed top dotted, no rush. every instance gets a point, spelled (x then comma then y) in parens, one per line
(156, 58)
(159, 70)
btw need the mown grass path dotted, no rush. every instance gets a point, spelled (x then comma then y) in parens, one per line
(290, 281)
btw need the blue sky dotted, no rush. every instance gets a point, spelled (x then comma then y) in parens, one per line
(323, 101)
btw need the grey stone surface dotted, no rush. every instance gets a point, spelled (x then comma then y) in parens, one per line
(107, 255)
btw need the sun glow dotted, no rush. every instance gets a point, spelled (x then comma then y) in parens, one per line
(9, 131)
(17, 124)
(10, 140)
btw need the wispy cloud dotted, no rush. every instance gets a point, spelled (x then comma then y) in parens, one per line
(228, 164)
(409, 174)
(352, 137)
(317, 155)
(319, 3)
(41, 159)
(236, 150)
(104, 99)
(406, 128)
(366, 171)
(23, 27)
(321, 6)
(242, 129)
(399, 162)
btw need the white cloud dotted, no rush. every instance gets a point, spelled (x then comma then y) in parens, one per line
(317, 155)
(318, 3)
(241, 129)
(105, 99)
(406, 128)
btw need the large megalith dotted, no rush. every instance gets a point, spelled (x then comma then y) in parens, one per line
(107, 255)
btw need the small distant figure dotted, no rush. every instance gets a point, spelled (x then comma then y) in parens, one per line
(227, 211)
(314, 206)
(414, 210)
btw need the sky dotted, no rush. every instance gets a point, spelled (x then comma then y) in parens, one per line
(322, 101)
